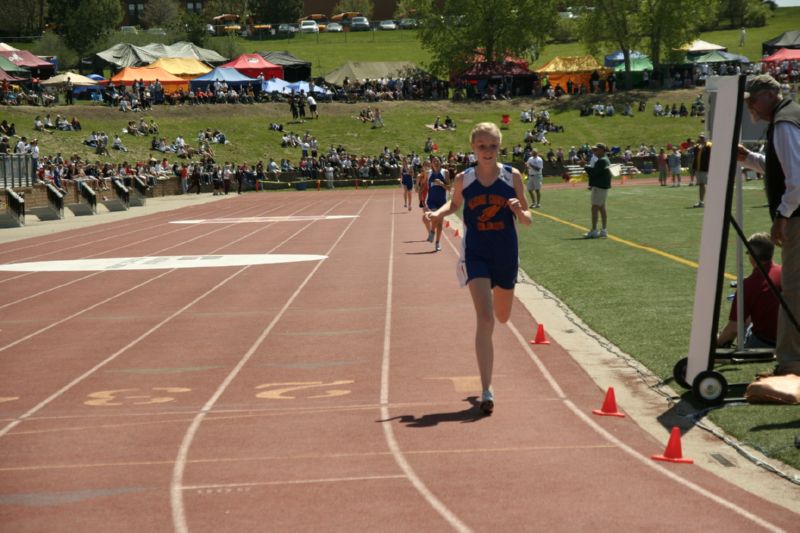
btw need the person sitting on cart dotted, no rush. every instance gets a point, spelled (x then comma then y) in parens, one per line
(760, 303)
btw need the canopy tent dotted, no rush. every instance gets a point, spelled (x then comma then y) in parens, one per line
(717, 57)
(23, 58)
(701, 47)
(13, 69)
(369, 70)
(5, 76)
(253, 64)
(231, 76)
(294, 69)
(784, 54)
(579, 69)
(129, 55)
(788, 39)
(77, 80)
(638, 64)
(306, 88)
(184, 49)
(274, 85)
(124, 55)
(615, 58)
(8, 47)
(186, 68)
(169, 82)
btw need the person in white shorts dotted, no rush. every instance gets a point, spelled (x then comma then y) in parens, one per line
(535, 165)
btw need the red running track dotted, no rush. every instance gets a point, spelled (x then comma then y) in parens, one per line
(326, 395)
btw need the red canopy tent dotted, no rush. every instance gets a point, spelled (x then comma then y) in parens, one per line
(5, 76)
(784, 54)
(23, 58)
(253, 64)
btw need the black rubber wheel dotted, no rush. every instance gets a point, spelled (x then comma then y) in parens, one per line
(710, 387)
(679, 373)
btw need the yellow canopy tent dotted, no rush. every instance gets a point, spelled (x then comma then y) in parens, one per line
(561, 69)
(187, 68)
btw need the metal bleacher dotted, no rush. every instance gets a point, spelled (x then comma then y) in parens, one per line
(54, 210)
(13, 216)
(86, 203)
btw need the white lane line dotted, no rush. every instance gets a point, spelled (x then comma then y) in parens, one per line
(624, 447)
(291, 482)
(627, 449)
(94, 369)
(176, 492)
(388, 430)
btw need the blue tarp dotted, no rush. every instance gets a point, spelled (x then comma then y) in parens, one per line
(231, 76)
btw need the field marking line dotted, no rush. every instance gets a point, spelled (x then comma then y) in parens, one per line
(627, 449)
(122, 350)
(388, 430)
(176, 491)
(650, 249)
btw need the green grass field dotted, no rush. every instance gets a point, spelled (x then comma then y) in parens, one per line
(640, 301)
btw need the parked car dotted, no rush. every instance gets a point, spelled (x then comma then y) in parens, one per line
(387, 25)
(309, 26)
(156, 31)
(408, 24)
(334, 27)
(359, 24)
(321, 20)
(128, 29)
(287, 28)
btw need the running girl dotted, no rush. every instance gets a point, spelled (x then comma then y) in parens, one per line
(407, 183)
(493, 196)
(438, 186)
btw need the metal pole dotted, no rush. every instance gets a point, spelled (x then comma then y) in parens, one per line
(739, 263)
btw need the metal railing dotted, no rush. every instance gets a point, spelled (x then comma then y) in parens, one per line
(16, 170)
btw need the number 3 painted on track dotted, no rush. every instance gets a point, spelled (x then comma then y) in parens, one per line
(280, 393)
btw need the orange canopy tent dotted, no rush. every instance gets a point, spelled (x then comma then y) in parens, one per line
(169, 82)
(579, 69)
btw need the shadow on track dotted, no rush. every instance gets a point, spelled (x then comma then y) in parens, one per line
(471, 414)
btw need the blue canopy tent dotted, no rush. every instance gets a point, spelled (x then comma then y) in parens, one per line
(93, 92)
(615, 58)
(306, 87)
(274, 85)
(231, 76)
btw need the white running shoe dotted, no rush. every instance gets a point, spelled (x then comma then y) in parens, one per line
(487, 402)
(592, 234)
(603, 233)
(438, 247)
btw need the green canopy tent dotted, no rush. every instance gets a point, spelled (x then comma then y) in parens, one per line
(638, 66)
(14, 70)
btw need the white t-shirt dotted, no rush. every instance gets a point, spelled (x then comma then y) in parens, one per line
(535, 165)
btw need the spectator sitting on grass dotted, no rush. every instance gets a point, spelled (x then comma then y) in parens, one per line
(117, 144)
(38, 125)
(48, 122)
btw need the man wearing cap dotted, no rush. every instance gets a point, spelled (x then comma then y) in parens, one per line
(781, 168)
(702, 159)
(599, 171)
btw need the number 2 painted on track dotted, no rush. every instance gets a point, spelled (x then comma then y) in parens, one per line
(129, 397)
(279, 391)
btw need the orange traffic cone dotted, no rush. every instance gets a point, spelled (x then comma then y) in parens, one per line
(609, 405)
(673, 453)
(540, 337)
